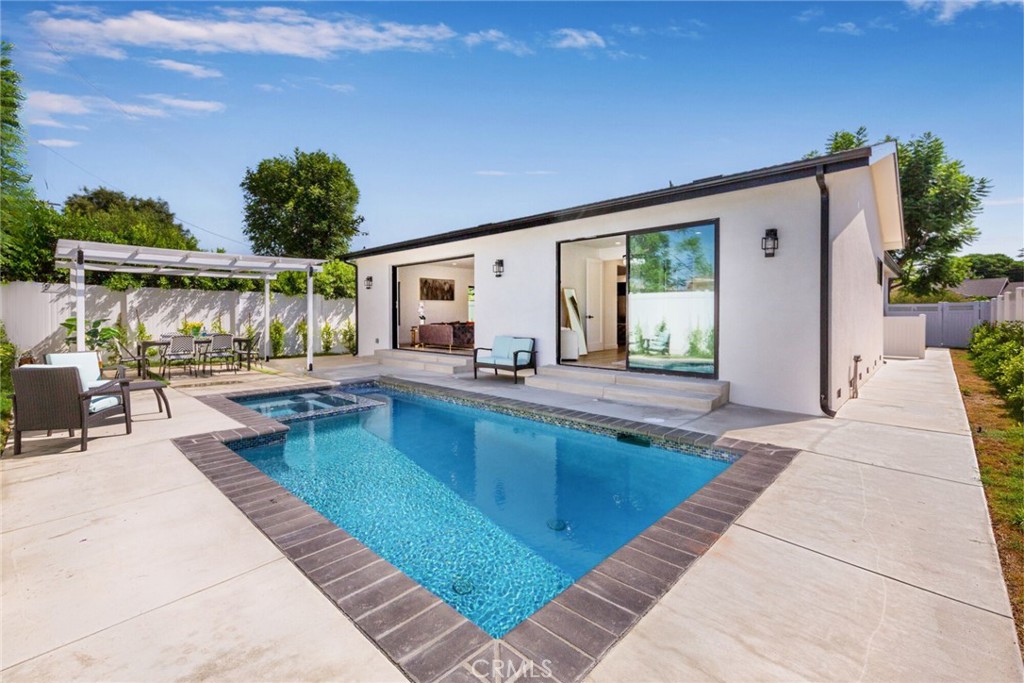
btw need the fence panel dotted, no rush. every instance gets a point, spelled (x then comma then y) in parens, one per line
(33, 311)
(948, 324)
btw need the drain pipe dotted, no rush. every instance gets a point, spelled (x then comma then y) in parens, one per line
(824, 310)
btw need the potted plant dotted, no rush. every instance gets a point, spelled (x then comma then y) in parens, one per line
(97, 335)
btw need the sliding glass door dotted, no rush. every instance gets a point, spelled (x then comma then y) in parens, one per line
(672, 300)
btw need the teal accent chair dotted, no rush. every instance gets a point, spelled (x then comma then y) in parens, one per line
(54, 397)
(507, 353)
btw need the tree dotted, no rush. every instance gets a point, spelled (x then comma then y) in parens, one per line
(940, 203)
(19, 209)
(303, 206)
(995, 265)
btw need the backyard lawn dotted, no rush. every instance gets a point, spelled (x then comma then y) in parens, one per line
(999, 443)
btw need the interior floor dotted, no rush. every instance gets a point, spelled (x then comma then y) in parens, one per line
(609, 359)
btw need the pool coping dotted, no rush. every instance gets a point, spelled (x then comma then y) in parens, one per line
(426, 638)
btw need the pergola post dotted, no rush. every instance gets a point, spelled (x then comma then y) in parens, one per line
(78, 284)
(309, 318)
(266, 318)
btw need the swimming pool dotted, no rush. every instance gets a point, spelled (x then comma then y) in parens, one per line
(494, 514)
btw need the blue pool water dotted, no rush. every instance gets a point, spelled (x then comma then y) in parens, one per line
(494, 514)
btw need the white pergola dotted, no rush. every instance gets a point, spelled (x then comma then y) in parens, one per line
(78, 257)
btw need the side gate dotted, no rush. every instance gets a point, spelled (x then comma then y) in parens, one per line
(947, 324)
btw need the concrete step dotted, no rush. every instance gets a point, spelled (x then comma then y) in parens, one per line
(711, 387)
(683, 393)
(419, 360)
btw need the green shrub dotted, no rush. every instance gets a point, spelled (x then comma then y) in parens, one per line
(326, 337)
(348, 337)
(217, 327)
(301, 331)
(8, 359)
(277, 331)
(249, 331)
(997, 351)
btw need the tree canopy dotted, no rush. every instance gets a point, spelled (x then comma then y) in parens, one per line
(17, 200)
(940, 203)
(302, 205)
(995, 265)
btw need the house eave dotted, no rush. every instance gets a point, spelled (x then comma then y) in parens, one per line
(804, 168)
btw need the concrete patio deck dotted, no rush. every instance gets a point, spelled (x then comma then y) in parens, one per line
(871, 557)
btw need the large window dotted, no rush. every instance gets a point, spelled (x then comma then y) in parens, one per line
(672, 300)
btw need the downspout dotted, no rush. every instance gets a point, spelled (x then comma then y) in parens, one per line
(824, 305)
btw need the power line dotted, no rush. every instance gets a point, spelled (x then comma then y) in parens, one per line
(117, 106)
(109, 184)
(89, 83)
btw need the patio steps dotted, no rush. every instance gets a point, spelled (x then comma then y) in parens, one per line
(686, 393)
(441, 363)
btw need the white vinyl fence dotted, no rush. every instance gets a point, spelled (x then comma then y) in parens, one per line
(947, 324)
(904, 336)
(33, 311)
(1008, 306)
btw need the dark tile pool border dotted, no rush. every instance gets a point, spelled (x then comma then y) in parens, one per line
(422, 635)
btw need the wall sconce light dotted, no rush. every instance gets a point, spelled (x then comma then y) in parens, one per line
(770, 242)
(499, 267)
(368, 282)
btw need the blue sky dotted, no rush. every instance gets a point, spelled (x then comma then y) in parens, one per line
(456, 114)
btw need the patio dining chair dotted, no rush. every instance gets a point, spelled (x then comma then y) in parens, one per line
(126, 354)
(250, 351)
(222, 348)
(182, 348)
(56, 397)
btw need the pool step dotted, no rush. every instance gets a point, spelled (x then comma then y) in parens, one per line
(441, 363)
(658, 390)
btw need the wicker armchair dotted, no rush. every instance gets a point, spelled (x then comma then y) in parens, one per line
(51, 397)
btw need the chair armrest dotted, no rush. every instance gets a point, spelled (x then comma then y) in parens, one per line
(105, 389)
(515, 355)
(476, 351)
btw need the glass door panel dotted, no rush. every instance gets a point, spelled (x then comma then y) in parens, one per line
(671, 300)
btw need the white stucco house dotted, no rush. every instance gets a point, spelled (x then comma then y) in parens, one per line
(769, 281)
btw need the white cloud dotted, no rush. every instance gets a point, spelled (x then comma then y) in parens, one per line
(577, 39)
(193, 70)
(500, 41)
(845, 27)
(197, 106)
(45, 102)
(267, 87)
(343, 88)
(809, 14)
(491, 173)
(55, 142)
(264, 30)
(540, 173)
(945, 11)
(41, 106)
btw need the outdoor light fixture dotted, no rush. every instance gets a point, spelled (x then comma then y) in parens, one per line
(770, 242)
(368, 282)
(499, 267)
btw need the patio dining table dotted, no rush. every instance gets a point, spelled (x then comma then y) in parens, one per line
(165, 340)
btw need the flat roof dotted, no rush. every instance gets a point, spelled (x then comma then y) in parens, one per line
(127, 258)
(719, 184)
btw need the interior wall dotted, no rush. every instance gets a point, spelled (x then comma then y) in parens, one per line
(436, 311)
(610, 285)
